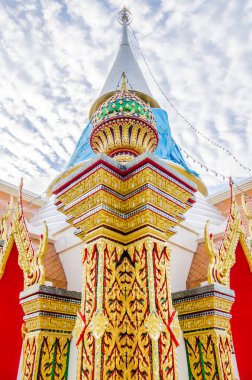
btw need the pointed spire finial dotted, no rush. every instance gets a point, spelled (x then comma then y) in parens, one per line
(124, 16)
(124, 82)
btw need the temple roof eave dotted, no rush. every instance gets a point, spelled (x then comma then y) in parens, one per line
(196, 180)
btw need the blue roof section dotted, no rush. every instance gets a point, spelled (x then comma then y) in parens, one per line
(166, 149)
(83, 150)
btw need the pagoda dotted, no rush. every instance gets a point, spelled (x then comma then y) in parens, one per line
(125, 203)
(125, 197)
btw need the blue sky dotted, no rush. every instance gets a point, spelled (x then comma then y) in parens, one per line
(55, 56)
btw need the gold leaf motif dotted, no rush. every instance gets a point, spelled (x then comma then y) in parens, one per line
(98, 324)
(154, 325)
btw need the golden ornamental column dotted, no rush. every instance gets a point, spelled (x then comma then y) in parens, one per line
(127, 327)
(204, 316)
(50, 315)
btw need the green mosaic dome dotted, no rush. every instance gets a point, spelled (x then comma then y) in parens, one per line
(124, 103)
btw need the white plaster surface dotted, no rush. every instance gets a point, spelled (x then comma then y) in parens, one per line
(181, 360)
(185, 238)
(180, 264)
(19, 375)
(66, 239)
(72, 369)
(235, 368)
(71, 261)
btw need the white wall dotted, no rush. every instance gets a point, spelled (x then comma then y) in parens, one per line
(69, 248)
(183, 246)
(19, 375)
(180, 265)
(181, 360)
(185, 238)
(71, 261)
(235, 367)
(72, 369)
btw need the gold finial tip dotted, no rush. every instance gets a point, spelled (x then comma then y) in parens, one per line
(124, 82)
(124, 16)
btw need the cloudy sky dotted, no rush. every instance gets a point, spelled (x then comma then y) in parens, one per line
(55, 56)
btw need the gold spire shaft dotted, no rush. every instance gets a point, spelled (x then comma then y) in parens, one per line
(124, 86)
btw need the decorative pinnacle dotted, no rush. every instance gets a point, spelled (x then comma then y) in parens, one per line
(124, 82)
(124, 16)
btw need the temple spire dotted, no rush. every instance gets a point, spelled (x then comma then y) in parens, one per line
(125, 62)
(125, 18)
(125, 37)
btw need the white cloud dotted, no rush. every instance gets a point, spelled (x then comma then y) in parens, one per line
(55, 56)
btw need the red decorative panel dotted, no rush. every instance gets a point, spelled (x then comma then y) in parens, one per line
(11, 284)
(241, 283)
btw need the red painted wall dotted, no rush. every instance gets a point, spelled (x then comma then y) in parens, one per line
(241, 283)
(11, 315)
